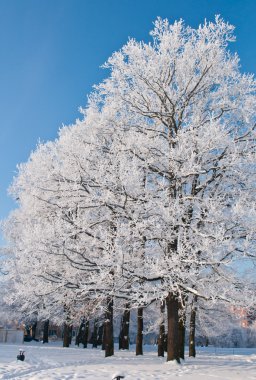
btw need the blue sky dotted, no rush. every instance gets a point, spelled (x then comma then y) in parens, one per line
(51, 52)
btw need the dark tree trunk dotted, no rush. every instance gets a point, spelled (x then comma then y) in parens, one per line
(66, 335)
(161, 337)
(182, 329)
(81, 332)
(192, 329)
(67, 330)
(124, 330)
(100, 335)
(95, 334)
(173, 327)
(46, 331)
(33, 330)
(86, 334)
(139, 338)
(182, 338)
(108, 329)
(103, 339)
(70, 333)
(165, 342)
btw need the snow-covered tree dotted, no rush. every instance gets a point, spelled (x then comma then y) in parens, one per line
(152, 195)
(189, 118)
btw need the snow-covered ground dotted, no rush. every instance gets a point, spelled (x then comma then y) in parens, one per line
(52, 362)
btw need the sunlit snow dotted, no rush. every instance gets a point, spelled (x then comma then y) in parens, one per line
(52, 362)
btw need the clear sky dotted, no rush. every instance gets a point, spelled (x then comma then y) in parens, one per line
(51, 52)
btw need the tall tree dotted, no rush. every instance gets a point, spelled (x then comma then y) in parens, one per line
(188, 118)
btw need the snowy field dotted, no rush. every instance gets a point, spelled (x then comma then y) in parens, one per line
(53, 362)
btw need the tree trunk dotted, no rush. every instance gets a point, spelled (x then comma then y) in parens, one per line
(192, 329)
(67, 330)
(165, 342)
(86, 334)
(66, 335)
(33, 330)
(46, 331)
(95, 334)
(161, 337)
(182, 329)
(173, 327)
(70, 333)
(181, 338)
(124, 331)
(108, 333)
(103, 339)
(100, 335)
(81, 332)
(139, 338)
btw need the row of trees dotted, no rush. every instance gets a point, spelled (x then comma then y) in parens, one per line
(151, 197)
